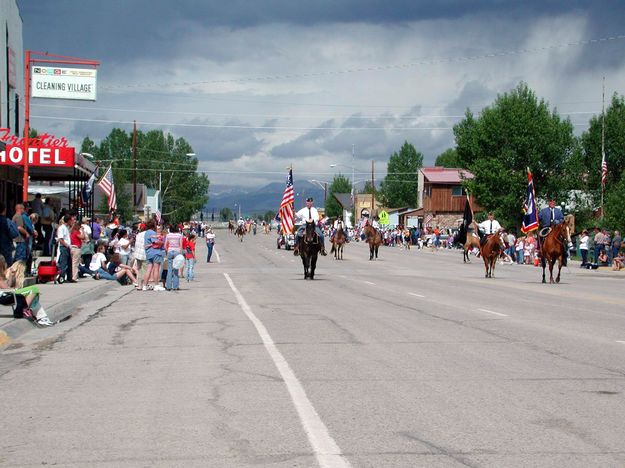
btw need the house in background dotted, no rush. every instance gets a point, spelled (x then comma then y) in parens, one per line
(441, 198)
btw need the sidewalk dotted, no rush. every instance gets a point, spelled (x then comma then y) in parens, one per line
(59, 300)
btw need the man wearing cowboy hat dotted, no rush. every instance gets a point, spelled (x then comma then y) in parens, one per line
(306, 213)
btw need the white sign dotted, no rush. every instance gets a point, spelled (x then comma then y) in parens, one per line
(63, 83)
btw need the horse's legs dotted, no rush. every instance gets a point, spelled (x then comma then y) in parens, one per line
(313, 265)
(543, 263)
(560, 262)
(551, 264)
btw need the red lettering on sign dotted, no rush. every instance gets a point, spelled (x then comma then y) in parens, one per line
(45, 139)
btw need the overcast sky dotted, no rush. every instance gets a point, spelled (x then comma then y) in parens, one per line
(257, 85)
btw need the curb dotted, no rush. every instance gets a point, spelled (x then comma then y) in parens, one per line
(61, 310)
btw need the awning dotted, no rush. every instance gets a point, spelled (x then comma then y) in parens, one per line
(82, 170)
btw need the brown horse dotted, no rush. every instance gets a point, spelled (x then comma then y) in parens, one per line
(231, 227)
(553, 247)
(374, 239)
(338, 241)
(490, 251)
(240, 231)
(472, 242)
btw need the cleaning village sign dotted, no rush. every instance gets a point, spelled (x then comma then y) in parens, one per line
(43, 150)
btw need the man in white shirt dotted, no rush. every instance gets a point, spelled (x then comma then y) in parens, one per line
(488, 227)
(64, 246)
(306, 213)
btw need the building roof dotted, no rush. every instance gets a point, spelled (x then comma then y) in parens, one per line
(344, 199)
(445, 175)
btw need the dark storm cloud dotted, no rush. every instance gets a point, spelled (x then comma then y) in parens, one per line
(152, 28)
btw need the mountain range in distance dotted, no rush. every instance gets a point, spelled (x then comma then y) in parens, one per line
(259, 201)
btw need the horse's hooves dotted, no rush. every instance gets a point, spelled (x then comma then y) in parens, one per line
(544, 280)
(557, 280)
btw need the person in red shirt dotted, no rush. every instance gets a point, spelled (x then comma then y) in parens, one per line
(76, 236)
(188, 247)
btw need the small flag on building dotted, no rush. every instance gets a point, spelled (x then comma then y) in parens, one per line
(530, 219)
(108, 187)
(286, 206)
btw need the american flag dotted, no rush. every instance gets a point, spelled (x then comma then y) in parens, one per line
(108, 187)
(604, 171)
(286, 206)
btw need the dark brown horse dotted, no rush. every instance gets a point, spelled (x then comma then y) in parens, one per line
(240, 231)
(553, 247)
(374, 239)
(338, 241)
(309, 247)
(490, 251)
(231, 227)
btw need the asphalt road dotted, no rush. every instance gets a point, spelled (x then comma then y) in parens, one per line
(411, 360)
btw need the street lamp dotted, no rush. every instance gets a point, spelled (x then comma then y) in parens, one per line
(324, 185)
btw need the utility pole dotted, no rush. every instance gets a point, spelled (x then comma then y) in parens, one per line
(134, 167)
(372, 186)
(325, 193)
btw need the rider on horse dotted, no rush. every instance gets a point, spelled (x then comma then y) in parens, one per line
(339, 224)
(488, 227)
(308, 212)
(549, 216)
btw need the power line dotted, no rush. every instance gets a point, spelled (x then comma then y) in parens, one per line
(247, 127)
(417, 63)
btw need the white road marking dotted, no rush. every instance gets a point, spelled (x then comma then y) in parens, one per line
(620, 341)
(326, 450)
(218, 257)
(491, 312)
(369, 282)
(416, 295)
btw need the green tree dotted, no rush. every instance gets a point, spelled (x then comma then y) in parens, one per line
(448, 158)
(367, 188)
(614, 205)
(589, 160)
(162, 162)
(400, 186)
(268, 216)
(225, 214)
(340, 184)
(517, 132)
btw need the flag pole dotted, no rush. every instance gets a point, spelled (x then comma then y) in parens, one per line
(602, 144)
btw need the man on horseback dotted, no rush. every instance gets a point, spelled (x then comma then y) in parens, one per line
(308, 212)
(488, 227)
(339, 224)
(550, 216)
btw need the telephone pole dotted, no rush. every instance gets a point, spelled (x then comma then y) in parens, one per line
(372, 186)
(134, 167)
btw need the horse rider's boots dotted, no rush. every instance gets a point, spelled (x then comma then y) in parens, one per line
(296, 250)
(323, 251)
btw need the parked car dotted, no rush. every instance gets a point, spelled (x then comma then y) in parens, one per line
(288, 241)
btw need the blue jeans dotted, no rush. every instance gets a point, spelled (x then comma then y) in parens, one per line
(21, 252)
(520, 256)
(173, 274)
(189, 263)
(209, 247)
(103, 274)
(64, 264)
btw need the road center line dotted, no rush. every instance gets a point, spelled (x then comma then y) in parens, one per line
(623, 342)
(416, 295)
(491, 312)
(369, 282)
(326, 450)
(217, 254)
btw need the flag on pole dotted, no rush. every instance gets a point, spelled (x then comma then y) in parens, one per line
(467, 219)
(108, 187)
(604, 171)
(87, 189)
(286, 206)
(157, 214)
(530, 219)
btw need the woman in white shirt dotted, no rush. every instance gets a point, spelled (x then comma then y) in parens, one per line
(122, 247)
(583, 247)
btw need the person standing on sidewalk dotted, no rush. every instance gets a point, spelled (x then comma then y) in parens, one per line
(173, 247)
(583, 247)
(47, 218)
(76, 237)
(188, 245)
(64, 245)
(210, 243)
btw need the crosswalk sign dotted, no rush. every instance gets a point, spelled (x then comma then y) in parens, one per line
(383, 217)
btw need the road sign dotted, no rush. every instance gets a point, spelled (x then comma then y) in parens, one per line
(383, 218)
